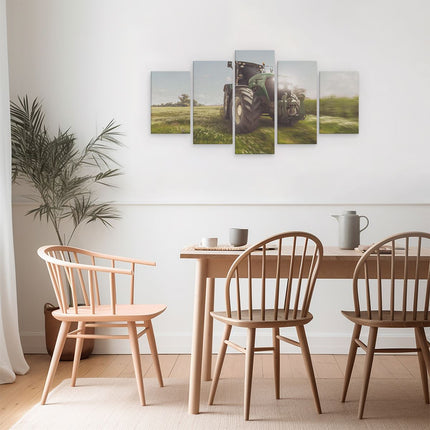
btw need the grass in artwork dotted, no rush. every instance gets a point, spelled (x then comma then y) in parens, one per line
(260, 141)
(338, 125)
(302, 132)
(339, 115)
(170, 120)
(210, 127)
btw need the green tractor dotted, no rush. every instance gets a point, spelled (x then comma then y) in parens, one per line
(254, 96)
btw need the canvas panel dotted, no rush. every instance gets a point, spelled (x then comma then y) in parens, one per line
(170, 102)
(297, 102)
(254, 107)
(339, 103)
(212, 101)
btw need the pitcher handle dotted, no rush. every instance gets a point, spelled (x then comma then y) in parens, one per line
(367, 225)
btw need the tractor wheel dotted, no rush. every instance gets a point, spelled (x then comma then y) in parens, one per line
(247, 110)
(227, 103)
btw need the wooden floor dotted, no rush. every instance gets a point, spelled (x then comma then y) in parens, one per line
(17, 398)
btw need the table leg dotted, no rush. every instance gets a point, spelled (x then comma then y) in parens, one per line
(208, 333)
(197, 339)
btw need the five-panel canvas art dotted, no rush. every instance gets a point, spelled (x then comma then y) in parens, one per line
(256, 101)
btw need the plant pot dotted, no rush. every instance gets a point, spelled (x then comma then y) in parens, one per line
(52, 326)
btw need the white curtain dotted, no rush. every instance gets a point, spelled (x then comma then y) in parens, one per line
(12, 360)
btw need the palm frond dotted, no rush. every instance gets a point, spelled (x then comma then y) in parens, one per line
(96, 153)
(63, 176)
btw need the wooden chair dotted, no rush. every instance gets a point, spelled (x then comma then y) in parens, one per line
(401, 301)
(81, 275)
(292, 259)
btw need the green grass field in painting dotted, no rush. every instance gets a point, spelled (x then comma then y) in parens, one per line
(334, 125)
(170, 120)
(339, 115)
(304, 131)
(210, 127)
(260, 141)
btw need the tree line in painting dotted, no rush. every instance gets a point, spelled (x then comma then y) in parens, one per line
(183, 100)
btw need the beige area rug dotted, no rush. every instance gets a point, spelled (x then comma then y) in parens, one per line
(113, 404)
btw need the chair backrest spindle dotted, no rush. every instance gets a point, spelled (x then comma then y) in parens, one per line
(96, 281)
(81, 281)
(369, 307)
(405, 279)
(251, 315)
(133, 267)
(393, 279)
(263, 284)
(312, 274)
(378, 275)
(278, 279)
(289, 281)
(300, 278)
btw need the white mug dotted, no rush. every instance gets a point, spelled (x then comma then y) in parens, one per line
(209, 242)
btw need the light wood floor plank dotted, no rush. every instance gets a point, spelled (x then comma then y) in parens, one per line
(166, 363)
(411, 363)
(297, 366)
(181, 369)
(234, 365)
(394, 366)
(326, 366)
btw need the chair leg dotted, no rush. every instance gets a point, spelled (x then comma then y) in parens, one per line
(78, 351)
(132, 334)
(276, 361)
(351, 359)
(219, 363)
(308, 364)
(373, 332)
(249, 365)
(154, 352)
(59, 345)
(423, 368)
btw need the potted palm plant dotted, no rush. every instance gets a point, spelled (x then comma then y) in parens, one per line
(64, 178)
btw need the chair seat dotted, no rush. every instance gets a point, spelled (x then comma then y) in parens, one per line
(258, 322)
(135, 312)
(397, 320)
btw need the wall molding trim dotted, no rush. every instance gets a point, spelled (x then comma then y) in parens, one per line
(298, 204)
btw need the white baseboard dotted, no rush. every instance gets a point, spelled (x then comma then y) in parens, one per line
(33, 342)
(180, 343)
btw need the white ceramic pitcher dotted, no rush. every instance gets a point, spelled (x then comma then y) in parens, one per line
(349, 229)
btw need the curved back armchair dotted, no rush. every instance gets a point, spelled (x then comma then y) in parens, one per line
(92, 278)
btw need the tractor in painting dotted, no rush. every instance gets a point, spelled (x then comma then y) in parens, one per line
(255, 95)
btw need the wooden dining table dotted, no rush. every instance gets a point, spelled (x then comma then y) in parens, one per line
(211, 264)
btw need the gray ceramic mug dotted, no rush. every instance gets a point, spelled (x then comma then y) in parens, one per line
(238, 236)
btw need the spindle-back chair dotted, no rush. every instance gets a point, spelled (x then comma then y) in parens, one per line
(400, 300)
(276, 293)
(79, 275)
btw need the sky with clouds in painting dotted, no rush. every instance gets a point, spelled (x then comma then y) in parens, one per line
(338, 84)
(209, 80)
(300, 74)
(166, 87)
(259, 57)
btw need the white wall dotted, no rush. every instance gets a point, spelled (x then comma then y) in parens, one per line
(90, 61)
